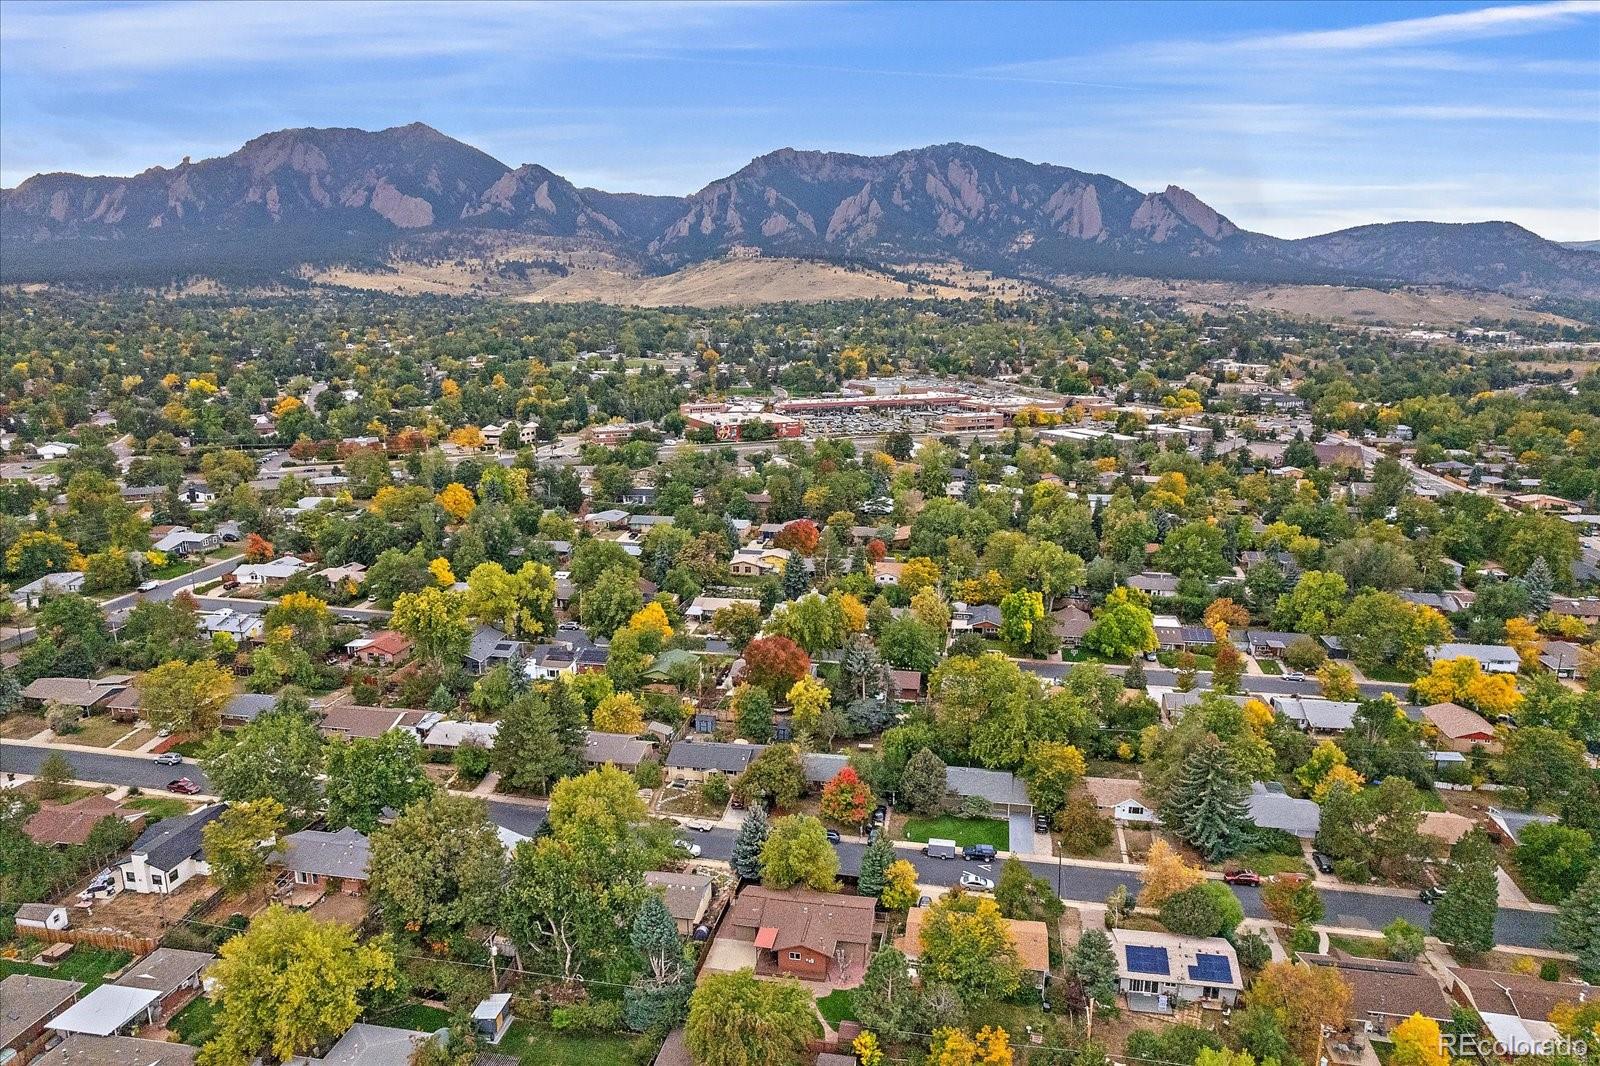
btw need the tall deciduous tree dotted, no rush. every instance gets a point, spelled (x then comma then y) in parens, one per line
(1305, 999)
(366, 775)
(186, 697)
(290, 983)
(238, 841)
(965, 944)
(437, 869)
(736, 1020)
(797, 852)
(278, 756)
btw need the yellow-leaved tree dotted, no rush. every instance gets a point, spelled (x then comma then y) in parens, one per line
(989, 1046)
(1166, 873)
(457, 501)
(1417, 1042)
(620, 712)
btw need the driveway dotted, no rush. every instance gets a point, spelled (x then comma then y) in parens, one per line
(1022, 835)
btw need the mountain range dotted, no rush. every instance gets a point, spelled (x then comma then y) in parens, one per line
(302, 197)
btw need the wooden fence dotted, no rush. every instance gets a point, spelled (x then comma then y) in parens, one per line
(108, 939)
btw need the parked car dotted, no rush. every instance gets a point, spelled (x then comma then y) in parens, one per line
(974, 883)
(690, 848)
(1241, 877)
(1041, 823)
(737, 802)
(149, 586)
(925, 901)
(1431, 894)
(978, 853)
(568, 627)
(833, 836)
(1322, 862)
(941, 849)
(874, 833)
(183, 787)
(700, 825)
(1294, 675)
(169, 758)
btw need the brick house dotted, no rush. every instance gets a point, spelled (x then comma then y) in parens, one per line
(817, 936)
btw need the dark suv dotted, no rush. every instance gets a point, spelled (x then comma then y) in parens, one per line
(978, 853)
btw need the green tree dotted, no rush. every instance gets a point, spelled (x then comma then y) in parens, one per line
(435, 620)
(1207, 807)
(186, 697)
(437, 869)
(922, 785)
(238, 841)
(366, 775)
(797, 852)
(1026, 897)
(874, 863)
(1403, 941)
(1121, 630)
(777, 775)
(887, 998)
(1464, 918)
(521, 604)
(289, 984)
(1578, 926)
(747, 845)
(539, 739)
(277, 756)
(55, 773)
(1052, 770)
(1207, 909)
(966, 945)
(610, 602)
(736, 1020)
(1543, 762)
(1094, 965)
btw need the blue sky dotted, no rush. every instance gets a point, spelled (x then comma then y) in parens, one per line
(1290, 118)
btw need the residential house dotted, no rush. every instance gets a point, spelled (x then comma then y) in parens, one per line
(1173, 635)
(490, 647)
(886, 572)
(26, 1003)
(246, 707)
(1315, 715)
(353, 721)
(1006, 794)
(1071, 623)
(451, 734)
(1272, 808)
(1444, 826)
(1494, 658)
(183, 541)
(1516, 1008)
(174, 976)
(1154, 583)
(349, 573)
(109, 1010)
(817, 936)
(1268, 644)
(689, 762)
(254, 574)
(1120, 798)
(386, 648)
(1460, 729)
(1512, 823)
(80, 1049)
(906, 685)
(759, 562)
(1385, 993)
(611, 518)
(1032, 940)
(984, 619)
(169, 853)
(621, 750)
(32, 595)
(1585, 609)
(364, 1044)
(701, 610)
(86, 694)
(1160, 971)
(688, 896)
(243, 628)
(1560, 657)
(318, 859)
(70, 824)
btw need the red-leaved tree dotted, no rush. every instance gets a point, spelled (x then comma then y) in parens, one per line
(846, 799)
(801, 536)
(775, 663)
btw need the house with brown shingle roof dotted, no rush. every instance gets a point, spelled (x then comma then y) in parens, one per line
(1385, 993)
(818, 936)
(1460, 729)
(71, 823)
(1031, 939)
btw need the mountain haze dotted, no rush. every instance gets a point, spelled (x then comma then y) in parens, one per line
(318, 196)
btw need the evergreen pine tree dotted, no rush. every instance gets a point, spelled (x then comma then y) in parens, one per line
(1134, 677)
(1539, 582)
(1207, 805)
(1464, 918)
(746, 857)
(796, 582)
(887, 995)
(655, 937)
(1578, 926)
(874, 861)
(1095, 966)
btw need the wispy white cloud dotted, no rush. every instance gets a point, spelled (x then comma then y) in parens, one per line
(1431, 29)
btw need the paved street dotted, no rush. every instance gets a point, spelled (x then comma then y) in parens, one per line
(1084, 884)
(1253, 684)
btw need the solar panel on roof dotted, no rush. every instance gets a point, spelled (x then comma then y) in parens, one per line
(1147, 960)
(1212, 968)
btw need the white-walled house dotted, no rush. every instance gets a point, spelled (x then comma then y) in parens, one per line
(169, 853)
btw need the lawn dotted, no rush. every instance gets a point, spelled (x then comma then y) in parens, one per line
(159, 807)
(1365, 947)
(838, 1006)
(99, 731)
(418, 1016)
(191, 748)
(197, 1022)
(21, 726)
(1269, 666)
(536, 1045)
(1268, 863)
(963, 831)
(89, 965)
(1389, 673)
(176, 568)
